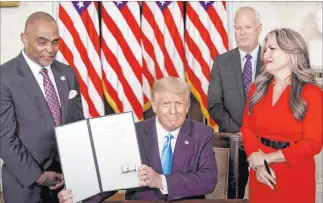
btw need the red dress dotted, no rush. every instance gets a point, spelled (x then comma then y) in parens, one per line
(295, 179)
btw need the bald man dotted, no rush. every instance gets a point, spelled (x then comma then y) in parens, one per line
(231, 76)
(37, 93)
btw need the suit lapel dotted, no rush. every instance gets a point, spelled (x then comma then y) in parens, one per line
(151, 146)
(238, 72)
(183, 146)
(62, 88)
(30, 85)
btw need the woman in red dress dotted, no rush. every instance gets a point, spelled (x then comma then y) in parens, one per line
(282, 123)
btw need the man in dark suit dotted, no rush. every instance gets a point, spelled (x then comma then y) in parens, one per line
(231, 76)
(37, 93)
(177, 154)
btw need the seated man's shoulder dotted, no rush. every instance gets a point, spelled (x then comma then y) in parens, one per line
(200, 129)
(144, 123)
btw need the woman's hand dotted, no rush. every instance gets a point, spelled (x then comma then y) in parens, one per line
(65, 196)
(256, 159)
(264, 177)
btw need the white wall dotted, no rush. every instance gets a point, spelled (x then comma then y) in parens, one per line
(295, 15)
(12, 24)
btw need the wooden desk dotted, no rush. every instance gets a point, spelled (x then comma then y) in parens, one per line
(186, 201)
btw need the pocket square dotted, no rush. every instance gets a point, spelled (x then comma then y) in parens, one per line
(72, 94)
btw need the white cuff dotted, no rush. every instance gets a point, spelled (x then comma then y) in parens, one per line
(165, 189)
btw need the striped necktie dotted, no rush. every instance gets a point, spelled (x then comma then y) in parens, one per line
(247, 74)
(51, 97)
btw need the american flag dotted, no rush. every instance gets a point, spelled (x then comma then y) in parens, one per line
(79, 46)
(121, 57)
(163, 39)
(205, 37)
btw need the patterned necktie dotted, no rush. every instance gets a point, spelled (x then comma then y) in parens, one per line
(247, 74)
(51, 97)
(167, 155)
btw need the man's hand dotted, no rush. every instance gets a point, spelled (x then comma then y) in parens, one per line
(256, 159)
(65, 196)
(51, 179)
(149, 177)
(264, 177)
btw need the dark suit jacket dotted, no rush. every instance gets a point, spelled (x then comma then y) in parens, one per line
(194, 170)
(27, 140)
(226, 99)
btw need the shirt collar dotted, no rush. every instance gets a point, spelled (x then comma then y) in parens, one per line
(35, 68)
(162, 132)
(254, 53)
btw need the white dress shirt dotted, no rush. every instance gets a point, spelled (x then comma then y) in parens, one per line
(254, 55)
(35, 69)
(161, 138)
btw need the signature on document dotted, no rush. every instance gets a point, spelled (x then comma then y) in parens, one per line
(126, 168)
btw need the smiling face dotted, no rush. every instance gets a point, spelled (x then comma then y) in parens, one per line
(171, 109)
(246, 30)
(276, 60)
(41, 42)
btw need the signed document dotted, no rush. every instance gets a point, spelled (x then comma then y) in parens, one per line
(99, 154)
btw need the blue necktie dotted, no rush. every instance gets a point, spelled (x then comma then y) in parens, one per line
(167, 155)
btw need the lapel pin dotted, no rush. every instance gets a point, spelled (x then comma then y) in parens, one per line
(186, 142)
(63, 78)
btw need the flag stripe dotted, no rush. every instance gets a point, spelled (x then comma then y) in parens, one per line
(197, 84)
(113, 61)
(83, 87)
(91, 30)
(176, 37)
(110, 92)
(194, 17)
(91, 90)
(198, 56)
(130, 19)
(148, 47)
(149, 17)
(80, 47)
(150, 51)
(129, 55)
(205, 38)
(218, 24)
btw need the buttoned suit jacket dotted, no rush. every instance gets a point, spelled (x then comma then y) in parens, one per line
(226, 98)
(27, 139)
(194, 170)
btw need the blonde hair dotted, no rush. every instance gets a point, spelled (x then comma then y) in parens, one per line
(170, 84)
(292, 43)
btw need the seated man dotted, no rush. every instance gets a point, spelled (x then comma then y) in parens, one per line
(177, 154)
